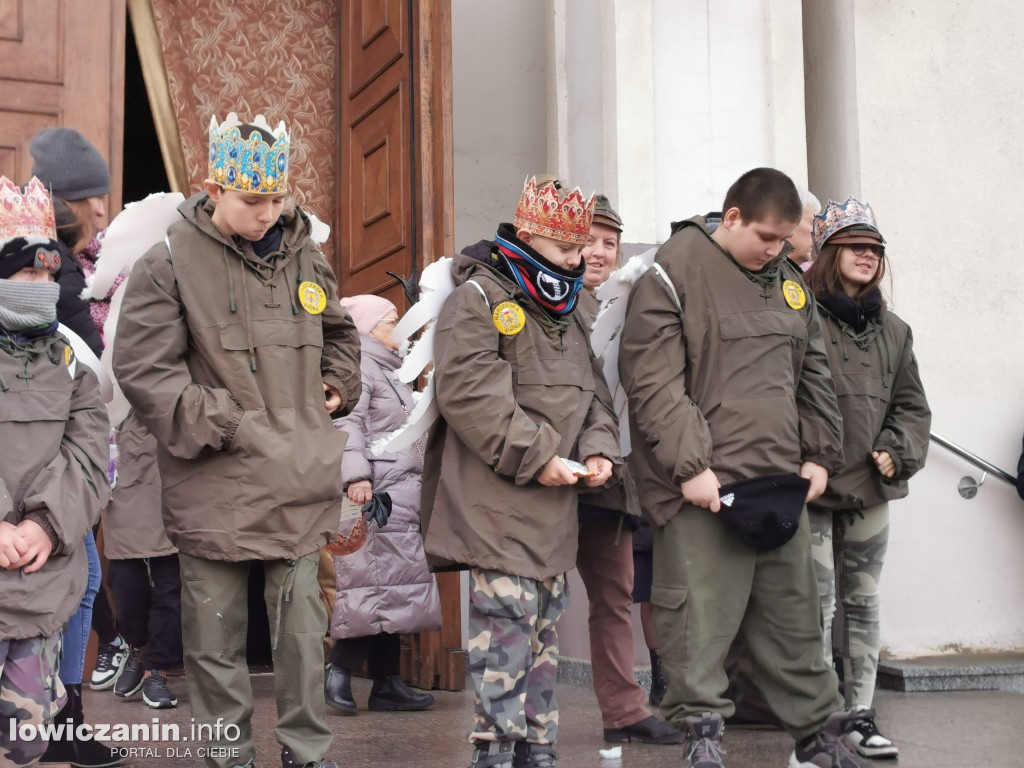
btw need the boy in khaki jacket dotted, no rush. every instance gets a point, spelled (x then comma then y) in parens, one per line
(233, 358)
(723, 362)
(53, 476)
(515, 380)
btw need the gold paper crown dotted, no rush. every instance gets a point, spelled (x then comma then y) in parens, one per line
(26, 214)
(543, 211)
(249, 165)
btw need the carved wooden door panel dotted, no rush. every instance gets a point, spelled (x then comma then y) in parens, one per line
(396, 205)
(61, 63)
(376, 218)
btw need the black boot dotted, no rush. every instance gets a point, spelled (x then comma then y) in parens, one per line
(79, 753)
(658, 681)
(391, 694)
(338, 689)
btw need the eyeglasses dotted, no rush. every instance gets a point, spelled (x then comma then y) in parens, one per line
(392, 321)
(877, 252)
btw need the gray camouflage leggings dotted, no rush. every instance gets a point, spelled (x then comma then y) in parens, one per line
(860, 544)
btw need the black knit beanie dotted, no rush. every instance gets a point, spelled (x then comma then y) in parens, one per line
(68, 164)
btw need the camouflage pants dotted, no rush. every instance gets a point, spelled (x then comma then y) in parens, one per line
(848, 554)
(513, 655)
(30, 693)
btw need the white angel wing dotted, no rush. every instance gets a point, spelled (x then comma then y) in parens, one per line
(85, 356)
(423, 415)
(131, 234)
(320, 231)
(604, 337)
(436, 285)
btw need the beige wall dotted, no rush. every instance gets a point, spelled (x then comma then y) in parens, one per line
(938, 103)
(500, 109)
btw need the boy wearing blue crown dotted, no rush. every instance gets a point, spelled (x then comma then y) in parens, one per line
(227, 347)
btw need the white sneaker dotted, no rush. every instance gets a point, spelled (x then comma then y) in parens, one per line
(866, 738)
(109, 662)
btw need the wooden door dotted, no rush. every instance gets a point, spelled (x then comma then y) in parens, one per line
(376, 220)
(61, 63)
(396, 204)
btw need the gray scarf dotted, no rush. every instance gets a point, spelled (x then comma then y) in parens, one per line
(24, 306)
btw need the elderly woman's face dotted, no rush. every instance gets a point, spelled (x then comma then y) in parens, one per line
(601, 254)
(382, 331)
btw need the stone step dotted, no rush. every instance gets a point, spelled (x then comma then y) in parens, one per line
(962, 672)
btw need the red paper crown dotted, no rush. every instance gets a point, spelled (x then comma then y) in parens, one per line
(545, 212)
(27, 213)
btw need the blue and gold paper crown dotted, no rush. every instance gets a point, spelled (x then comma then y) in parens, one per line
(836, 217)
(249, 165)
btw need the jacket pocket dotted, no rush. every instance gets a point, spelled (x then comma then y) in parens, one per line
(764, 322)
(673, 602)
(272, 332)
(532, 371)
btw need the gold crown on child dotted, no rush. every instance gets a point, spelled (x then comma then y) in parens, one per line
(250, 164)
(26, 213)
(544, 211)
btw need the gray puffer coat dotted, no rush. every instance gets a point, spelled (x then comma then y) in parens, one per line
(385, 586)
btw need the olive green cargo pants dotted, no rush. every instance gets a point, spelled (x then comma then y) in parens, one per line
(214, 626)
(709, 588)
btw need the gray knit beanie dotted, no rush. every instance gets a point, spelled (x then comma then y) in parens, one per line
(66, 162)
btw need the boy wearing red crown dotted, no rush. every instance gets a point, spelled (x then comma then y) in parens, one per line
(53, 477)
(722, 358)
(234, 358)
(515, 384)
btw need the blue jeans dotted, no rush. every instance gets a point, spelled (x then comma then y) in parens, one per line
(76, 633)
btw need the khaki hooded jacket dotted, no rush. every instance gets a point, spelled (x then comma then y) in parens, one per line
(508, 404)
(724, 368)
(225, 369)
(54, 452)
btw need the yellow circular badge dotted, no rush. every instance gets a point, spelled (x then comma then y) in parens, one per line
(69, 356)
(794, 294)
(312, 297)
(509, 318)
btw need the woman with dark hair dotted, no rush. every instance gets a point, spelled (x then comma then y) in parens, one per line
(886, 422)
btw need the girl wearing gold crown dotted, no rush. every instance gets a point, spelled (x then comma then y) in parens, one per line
(886, 423)
(515, 385)
(234, 359)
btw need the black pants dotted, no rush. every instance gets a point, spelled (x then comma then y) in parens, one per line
(147, 592)
(380, 652)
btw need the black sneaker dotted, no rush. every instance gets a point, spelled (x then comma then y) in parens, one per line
(129, 682)
(828, 747)
(155, 693)
(702, 747)
(494, 754)
(287, 761)
(528, 755)
(110, 661)
(867, 739)
(650, 730)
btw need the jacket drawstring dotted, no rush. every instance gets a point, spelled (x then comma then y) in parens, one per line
(291, 293)
(231, 280)
(149, 573)
(284, 595)
(3, 384)
(248, 319)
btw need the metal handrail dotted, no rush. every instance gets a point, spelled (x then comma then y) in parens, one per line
(978, 462)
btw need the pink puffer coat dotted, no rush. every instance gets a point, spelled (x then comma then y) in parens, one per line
(385, 586)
